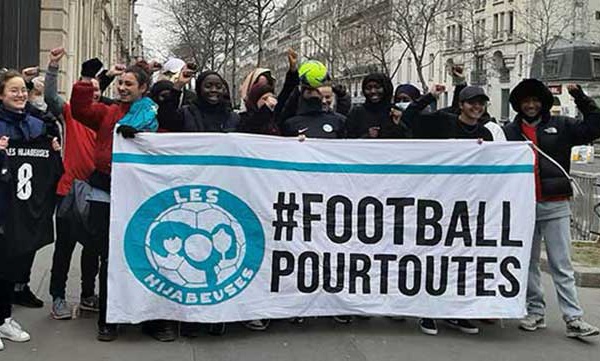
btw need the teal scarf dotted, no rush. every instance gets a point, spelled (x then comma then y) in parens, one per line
(142, 115)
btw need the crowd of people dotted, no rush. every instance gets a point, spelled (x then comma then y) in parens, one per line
(153, 97)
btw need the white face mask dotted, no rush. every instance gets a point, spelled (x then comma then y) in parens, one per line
(402, 106)
(39, 104)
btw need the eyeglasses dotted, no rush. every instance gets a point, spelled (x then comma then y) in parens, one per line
(15, 91)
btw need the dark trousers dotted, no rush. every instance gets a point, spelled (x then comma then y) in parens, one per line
(6, 294)
(100, 218)
(61, 262)
(21, 267)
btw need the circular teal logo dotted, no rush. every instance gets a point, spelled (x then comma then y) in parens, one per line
(195, 245)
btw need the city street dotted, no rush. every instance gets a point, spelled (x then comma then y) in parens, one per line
(323, 339)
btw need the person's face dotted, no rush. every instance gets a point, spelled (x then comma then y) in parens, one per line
(97, 93)
(402, 98)
(268, 99)
(212, 89)
(162, 96)
(473, 108)
(14, 96)
(262, 80)
(129, 89)
(311, 93)
(328, 97)
(531, 106)
(374, 92)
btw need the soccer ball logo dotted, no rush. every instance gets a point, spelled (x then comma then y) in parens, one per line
(195, 245)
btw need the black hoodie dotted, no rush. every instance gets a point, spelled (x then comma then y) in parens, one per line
(199, 116)
(555, 135)
(369, 115)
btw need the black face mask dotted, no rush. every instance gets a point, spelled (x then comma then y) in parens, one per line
(314, 102)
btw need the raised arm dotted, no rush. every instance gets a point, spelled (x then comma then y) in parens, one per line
(588, 129)
(83, 107)
(291, 82)
(421, 123)
(55, 102)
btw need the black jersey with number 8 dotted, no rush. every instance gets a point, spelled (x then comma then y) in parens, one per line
(34, 170)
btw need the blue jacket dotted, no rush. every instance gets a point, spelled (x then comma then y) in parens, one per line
(16, 126)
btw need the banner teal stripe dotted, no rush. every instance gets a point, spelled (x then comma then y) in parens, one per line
(231, 161)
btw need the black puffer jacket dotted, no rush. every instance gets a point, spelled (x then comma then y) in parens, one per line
(555, 134)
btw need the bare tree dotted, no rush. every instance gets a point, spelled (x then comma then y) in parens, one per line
(412, 23)
(325, 35)
(467, 33)
(262, 15)
(208, 32)
(380, 42)
(543, 23)
(197, 30)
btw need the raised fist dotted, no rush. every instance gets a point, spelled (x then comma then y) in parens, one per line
(116, 70)
(292, 59)
(56, 54)
(437, 89)
(575, 90)
(30, 73)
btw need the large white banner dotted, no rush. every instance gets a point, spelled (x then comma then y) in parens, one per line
(231, 227)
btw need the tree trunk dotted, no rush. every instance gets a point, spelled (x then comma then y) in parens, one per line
(419, 66)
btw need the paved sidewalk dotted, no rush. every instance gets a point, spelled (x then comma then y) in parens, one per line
(316, 340)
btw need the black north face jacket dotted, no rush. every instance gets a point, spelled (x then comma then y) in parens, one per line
(556, 135)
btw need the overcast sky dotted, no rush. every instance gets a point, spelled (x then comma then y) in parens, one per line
(153, 33)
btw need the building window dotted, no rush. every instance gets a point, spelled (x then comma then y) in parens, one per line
(597, 15)
(432, 66)
(409, 70)
(596, 65)
(520, 65)
(460, 35)
(505, 105)
(511, 23)
(495, 28)
(551, 68)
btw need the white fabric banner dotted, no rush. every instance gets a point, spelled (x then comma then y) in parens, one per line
(232, 227)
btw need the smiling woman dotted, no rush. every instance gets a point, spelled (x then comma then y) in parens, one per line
(13, 92)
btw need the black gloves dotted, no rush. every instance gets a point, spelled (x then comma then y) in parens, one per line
(127, 132)
(91, 67)
(577, 93)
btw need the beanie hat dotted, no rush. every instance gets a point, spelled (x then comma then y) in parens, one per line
(412, 91)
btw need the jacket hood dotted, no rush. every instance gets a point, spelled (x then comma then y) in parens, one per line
(159, 87)
(386, 83)
(529, 88)
(252, 78)
(200, 101)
